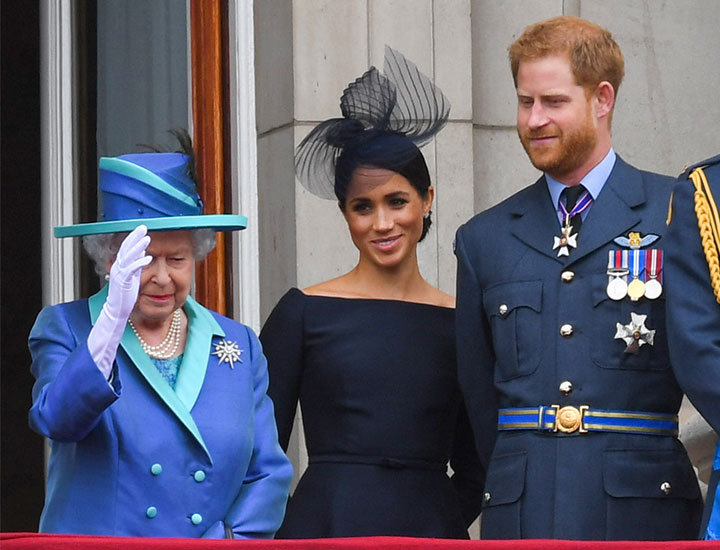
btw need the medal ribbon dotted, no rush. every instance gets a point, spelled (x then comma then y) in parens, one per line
(654, 259)
(617, 259)
(580, 206)
(638, 263)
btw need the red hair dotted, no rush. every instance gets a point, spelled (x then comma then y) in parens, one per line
(593, 53)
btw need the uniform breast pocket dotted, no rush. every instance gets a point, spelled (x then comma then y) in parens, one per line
(514, 311)
(609, 352)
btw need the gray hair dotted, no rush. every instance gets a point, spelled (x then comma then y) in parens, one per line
(102, 248)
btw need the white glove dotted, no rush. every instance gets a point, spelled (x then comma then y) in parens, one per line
(123, 289)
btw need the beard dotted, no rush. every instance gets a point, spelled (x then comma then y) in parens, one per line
(570, 150)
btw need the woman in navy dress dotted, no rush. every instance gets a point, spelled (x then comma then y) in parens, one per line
(370, 355)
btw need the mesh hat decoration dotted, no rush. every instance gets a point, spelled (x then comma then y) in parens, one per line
(386, 117)
(154, 189)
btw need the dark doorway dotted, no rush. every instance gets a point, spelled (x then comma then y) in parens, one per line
(116, 108)
(21, 450)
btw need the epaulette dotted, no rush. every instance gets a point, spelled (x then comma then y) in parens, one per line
(702, 164)
(708, 219)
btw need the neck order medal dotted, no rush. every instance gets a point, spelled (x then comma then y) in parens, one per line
(566, 240)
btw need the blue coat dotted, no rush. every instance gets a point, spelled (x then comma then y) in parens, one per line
(694, 318)
(136, 458)
(514, 294)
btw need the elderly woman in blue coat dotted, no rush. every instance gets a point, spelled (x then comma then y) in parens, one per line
(155, 407)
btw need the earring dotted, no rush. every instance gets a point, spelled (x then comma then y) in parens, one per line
(427, 214)
(107, 276)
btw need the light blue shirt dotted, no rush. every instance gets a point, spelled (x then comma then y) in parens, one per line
(594, 181)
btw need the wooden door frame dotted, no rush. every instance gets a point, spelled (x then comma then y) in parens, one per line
(225, 137)
(208, 61)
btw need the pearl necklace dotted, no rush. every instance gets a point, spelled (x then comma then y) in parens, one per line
(167, 348)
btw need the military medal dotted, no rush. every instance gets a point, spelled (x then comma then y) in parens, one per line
(636, 287)
(635, 334)
(653, 289)
(653, 286)
(636, 290)
(617, 274)
(643, 266)
(617, 288)
(567, 240)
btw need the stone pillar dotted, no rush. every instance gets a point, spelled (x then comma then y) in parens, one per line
(274, 87)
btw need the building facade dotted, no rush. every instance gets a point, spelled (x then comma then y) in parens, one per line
(287, 63)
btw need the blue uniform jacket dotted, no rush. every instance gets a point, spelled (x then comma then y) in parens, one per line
(136, 458)
(514, 294)
(694, 318)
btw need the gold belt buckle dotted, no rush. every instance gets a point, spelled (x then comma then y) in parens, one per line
(569, 419)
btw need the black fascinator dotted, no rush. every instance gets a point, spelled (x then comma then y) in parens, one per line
(386, 117)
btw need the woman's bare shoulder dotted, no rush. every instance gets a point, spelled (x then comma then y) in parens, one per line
(346, 286)
(337, 287)
(439, 298)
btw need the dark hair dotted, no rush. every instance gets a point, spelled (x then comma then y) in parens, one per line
(389, 151)
(185, 146)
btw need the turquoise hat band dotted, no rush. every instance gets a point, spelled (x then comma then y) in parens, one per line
(144, 175)
(151, 189)
(217, 222)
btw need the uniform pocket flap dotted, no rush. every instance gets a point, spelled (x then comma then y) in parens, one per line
(503, 298)
(649, 474)
(506, 481)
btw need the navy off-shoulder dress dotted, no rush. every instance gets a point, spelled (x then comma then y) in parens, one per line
(382, 414)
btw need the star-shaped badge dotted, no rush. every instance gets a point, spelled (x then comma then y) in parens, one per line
(565, 241)
(635, 333)
(228, 352)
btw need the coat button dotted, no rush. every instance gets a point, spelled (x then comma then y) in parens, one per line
(503, 309)
(151, 512)
(196, 519)
(565, 387)
(567, 276)
(666, 488)
(487, 497)
(156, 469)
(566, 330)
(199, 476)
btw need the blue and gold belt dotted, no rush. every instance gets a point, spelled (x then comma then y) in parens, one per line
(583, 419)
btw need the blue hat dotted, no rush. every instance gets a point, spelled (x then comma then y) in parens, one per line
(153, 189)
